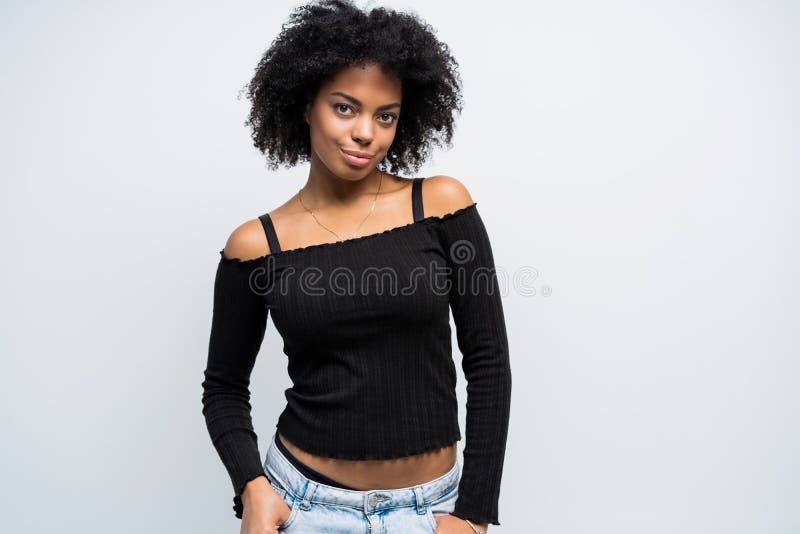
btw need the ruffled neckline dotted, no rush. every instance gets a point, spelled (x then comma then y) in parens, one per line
(425, 221)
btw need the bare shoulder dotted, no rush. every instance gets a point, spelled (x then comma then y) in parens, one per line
(247, 241)
(444, 194)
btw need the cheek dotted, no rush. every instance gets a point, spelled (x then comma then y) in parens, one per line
(387, 137)
(331, 125)
(325, 133)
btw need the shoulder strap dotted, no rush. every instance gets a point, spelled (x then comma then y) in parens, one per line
(269, 229)
(416, 199)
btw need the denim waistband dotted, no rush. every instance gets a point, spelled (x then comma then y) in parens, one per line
(279, 467)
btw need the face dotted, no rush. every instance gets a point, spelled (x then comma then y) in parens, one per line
(356, 113)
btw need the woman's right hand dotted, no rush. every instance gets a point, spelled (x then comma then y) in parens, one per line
(264, 510)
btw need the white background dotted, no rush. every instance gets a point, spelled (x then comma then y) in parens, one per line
(640, 157)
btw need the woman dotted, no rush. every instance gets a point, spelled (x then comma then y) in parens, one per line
(367, 441)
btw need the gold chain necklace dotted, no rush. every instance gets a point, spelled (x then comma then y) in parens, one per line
(372, 208)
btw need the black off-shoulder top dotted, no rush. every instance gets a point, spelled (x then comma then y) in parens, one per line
(365, 324)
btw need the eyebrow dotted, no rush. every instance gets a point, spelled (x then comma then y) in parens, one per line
(357, 102)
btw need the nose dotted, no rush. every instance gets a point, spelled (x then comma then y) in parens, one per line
(363, 130)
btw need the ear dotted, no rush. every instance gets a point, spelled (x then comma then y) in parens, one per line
(305, 113)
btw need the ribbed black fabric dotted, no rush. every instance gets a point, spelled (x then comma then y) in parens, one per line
(365, 325)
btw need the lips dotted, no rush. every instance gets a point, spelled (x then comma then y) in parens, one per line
(356, 158)
(356, 153)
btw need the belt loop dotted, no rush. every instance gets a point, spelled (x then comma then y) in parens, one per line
(421, 506)
(311, 487)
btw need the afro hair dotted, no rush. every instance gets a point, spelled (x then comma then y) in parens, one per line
(323, 37)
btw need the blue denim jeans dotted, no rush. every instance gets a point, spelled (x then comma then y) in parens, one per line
(322, 509)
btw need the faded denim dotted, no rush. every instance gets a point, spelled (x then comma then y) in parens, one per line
(322, 509)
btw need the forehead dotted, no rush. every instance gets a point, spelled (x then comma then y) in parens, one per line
(367, 83)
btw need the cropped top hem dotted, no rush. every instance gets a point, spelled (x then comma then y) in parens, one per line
(317, 447)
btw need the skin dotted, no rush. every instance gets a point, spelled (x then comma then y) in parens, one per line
(340, 196)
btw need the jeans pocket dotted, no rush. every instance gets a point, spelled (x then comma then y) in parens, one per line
(291, 501)
(443, 505)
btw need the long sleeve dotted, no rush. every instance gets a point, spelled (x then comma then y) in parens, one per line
(237, 329)
(477, 309)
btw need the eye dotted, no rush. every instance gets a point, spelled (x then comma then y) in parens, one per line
(392, 116)
(340, 105)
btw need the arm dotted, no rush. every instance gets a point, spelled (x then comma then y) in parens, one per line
(481, 333)
(237, 329)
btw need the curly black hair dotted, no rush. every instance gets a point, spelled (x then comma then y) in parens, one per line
(323, 37)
